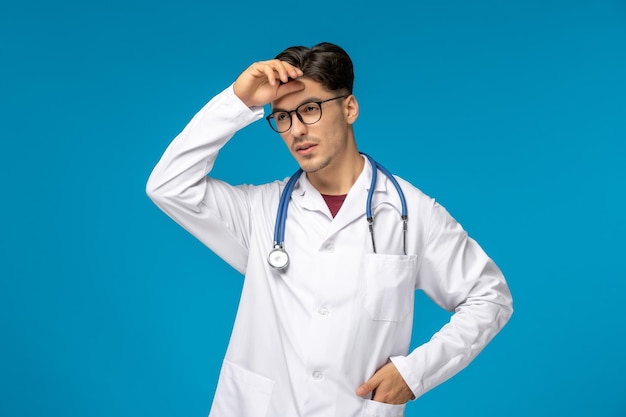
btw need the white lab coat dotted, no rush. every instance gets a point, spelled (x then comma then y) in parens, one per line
(305, 338)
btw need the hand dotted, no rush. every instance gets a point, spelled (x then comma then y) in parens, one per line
(387, 386)
(267, 81)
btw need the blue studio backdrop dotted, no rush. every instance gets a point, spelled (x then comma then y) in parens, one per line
(511, 113)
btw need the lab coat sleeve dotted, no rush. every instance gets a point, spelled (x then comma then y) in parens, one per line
(457, 274)
(213, 211)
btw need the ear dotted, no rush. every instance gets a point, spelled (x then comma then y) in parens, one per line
(351, 109)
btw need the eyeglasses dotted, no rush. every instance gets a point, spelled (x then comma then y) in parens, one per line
(307, 113)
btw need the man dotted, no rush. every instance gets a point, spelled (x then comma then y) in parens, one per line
(329, 334)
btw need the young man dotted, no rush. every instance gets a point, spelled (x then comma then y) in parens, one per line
(328, 334)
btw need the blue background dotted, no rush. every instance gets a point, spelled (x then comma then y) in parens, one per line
(512, 114)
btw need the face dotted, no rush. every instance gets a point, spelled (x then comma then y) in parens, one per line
(326, 142)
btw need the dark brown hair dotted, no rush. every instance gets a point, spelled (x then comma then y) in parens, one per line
(326, 63)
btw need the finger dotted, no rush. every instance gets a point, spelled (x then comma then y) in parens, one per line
(258, 69)
(364, 390)
(283, 71)
(275, 70)
(270, 73)
(288, 88)
(292, 71)
(368, 386)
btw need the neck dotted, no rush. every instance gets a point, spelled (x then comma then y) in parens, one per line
(338, 178)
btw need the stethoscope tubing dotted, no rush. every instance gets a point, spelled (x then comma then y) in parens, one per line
(368, 208)
(283, 205)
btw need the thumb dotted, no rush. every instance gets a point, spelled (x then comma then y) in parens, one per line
(368, 386)
(288, 88)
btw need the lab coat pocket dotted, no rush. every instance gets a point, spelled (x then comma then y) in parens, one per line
(376, 409)
(241, 393)
(389, 285)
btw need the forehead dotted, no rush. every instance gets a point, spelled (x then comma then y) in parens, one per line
(312, 90)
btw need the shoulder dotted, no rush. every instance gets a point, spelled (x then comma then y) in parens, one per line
(413, 193)
(264, 193)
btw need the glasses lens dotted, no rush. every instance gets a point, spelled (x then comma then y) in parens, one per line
(310, 112)
(280, 121)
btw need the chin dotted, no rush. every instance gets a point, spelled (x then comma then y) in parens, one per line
(311, 164)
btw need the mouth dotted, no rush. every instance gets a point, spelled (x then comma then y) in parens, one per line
(305, 148)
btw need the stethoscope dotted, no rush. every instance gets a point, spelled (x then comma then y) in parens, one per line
(278, 257)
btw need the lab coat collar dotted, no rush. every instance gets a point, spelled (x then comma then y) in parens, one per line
(308, 197)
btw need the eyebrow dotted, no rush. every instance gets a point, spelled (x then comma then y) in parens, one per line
(306, 100)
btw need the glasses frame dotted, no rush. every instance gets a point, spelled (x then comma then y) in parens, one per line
(298, 115)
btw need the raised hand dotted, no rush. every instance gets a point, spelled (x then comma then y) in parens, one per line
(266, 81)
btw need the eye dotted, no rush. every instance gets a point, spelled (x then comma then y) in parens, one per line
(281, 117)
(309, 108)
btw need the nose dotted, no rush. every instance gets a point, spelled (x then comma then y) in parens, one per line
(297, 127)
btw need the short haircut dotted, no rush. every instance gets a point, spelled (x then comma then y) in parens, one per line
(326, 63)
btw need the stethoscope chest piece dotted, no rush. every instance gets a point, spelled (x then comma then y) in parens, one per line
(278, 258)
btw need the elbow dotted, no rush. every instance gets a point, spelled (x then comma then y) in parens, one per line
(505, 309)
(507, 300)
(508, 310)
(154, 191)
(151, 189)
(169, 195)
(505, 315)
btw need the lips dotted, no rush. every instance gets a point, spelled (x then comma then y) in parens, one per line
(305, 148)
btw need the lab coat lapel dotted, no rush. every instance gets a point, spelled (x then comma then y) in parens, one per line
(353, 208)
(307, 197)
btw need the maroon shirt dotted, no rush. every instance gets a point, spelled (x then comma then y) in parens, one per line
(334, 202)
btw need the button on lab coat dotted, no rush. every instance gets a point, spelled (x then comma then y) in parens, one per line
(306, 337)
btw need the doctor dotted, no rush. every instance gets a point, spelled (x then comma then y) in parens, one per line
(324, 322)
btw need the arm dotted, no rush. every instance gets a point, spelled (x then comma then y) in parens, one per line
(213, 211)
(457, 274)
